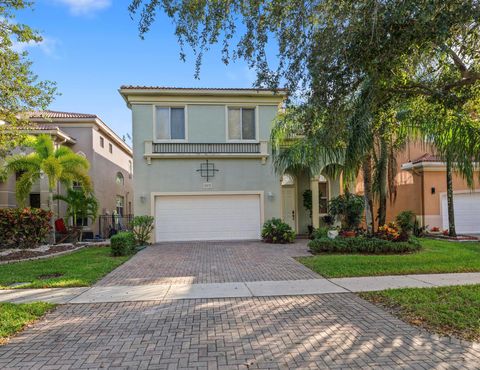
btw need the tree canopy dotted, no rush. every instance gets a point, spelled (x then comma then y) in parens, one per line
(20, 89)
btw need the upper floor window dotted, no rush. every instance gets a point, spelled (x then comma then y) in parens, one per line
(102, 142)
(120, 180)
(241, 124)
(170, 123)
(110, 148)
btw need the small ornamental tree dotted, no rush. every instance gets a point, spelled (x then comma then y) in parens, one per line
(142, 227)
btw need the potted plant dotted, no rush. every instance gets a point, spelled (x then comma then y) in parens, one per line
(349, 210)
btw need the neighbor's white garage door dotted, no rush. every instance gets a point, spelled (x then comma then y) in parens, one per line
(207, 217)
(467, 212)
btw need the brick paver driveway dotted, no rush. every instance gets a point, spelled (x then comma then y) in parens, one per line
(212, 262)
(334, 331)
(329, 331)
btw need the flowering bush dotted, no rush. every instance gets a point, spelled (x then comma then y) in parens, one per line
(278, 232)
(389, 231)
(23, 227)
(434, 229)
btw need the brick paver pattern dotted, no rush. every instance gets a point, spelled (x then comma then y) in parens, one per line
(327, 332)
(212, 262)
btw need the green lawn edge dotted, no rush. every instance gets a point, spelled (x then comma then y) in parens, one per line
(77, 269)
(15, 317)
(448, 311)
(436, 256)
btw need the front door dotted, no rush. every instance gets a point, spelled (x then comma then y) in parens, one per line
(289, 209)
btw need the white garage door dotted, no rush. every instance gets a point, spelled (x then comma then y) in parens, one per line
(467, 212)
(207, 217)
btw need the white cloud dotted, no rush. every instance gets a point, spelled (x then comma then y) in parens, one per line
(47, 46)
(85, 7)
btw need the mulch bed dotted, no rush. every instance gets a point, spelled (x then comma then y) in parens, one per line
(21, 255)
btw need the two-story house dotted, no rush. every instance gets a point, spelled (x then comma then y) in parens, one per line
(203, 165)
(111, 166)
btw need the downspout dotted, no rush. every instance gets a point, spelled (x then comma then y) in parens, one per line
(423, 197)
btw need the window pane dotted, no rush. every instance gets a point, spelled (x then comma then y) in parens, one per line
(177, 123)
(234, 132)
(162, 127)
(248, 124)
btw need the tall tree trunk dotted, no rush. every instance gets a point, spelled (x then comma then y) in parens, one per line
(52, 220)
(451, 214)
(367, 193)
(382, 182)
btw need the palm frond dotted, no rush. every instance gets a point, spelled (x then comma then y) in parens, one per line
(44, 146)
(24, 185)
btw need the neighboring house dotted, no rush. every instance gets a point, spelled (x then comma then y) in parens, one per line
(421, 187)
(203, 165)
(111, 166)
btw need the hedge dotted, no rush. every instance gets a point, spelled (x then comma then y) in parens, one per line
(362, 245)
(123, 243)
(24, 227)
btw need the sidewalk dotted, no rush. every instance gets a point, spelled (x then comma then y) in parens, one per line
(104, 294)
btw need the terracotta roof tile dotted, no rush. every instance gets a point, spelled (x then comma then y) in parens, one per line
(56, 114)
(427, 157)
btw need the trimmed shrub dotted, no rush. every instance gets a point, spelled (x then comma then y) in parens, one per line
(24, 227)
(278, 232)
(123, 243)
(362, 245)
(406, 221)
(321, 232)
(142, 227)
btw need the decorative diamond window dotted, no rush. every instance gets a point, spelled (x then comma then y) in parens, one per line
(207, 170)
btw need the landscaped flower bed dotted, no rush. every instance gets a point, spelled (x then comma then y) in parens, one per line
(362, 245)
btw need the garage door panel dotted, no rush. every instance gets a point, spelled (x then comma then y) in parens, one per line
(207, 217)
(467, 212)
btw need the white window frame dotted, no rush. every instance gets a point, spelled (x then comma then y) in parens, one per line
(242, 106)
(170, 106)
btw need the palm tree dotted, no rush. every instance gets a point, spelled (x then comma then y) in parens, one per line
(363, 137)
(80, 205)
(58, 164)
(453, 133)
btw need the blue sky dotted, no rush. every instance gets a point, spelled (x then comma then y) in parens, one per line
(92, 47)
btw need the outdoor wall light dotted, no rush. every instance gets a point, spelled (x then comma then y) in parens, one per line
(433, 190)
(270, 195)
(143, 198)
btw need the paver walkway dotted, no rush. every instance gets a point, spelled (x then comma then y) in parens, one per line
(212, 262)
(335, 331)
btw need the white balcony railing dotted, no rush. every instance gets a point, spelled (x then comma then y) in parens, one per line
(215, 150)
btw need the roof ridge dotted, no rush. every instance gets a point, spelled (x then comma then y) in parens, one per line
(199, 88)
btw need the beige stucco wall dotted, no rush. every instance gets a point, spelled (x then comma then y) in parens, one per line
(104, 167)
(414, 187)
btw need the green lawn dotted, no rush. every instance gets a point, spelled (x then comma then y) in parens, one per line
(453, 311)
(81, 268)
(14, 317)
(437, 256)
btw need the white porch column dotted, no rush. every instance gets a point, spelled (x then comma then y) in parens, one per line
(315, 202)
